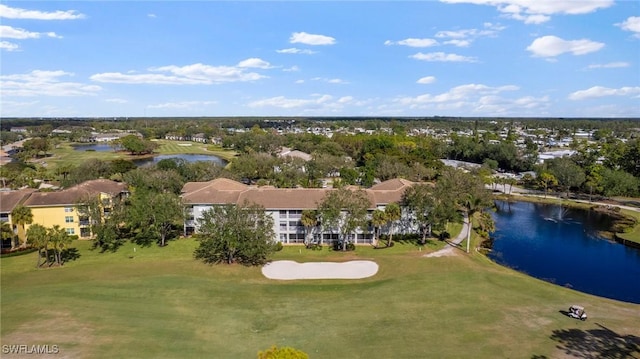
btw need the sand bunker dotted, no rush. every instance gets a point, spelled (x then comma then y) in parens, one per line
(289, 270)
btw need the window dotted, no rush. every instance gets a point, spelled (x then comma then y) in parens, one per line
(283, 238)
(71, 231)
(68, 209)
(84, 232)
(68, 219)
(294, 223)
(295, 214)
(283, 226)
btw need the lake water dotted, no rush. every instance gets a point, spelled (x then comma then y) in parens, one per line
(562, 246)
(101, 147)
(98, 147)
(187, 157)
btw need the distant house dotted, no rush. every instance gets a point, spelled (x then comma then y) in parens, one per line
(284, 205)
(288, 152)
(19, 129)
(549, 155)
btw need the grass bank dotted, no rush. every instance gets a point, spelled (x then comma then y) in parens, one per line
(160, 303)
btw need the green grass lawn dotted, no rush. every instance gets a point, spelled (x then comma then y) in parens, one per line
(160, 303)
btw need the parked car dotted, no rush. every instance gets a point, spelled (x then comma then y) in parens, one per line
(577, 312)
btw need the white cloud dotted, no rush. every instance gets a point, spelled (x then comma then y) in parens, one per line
(195, 74)
(44, 83)
(412, 42)
(116, 100)
(9, 46)
(331, 81)
(16, 13)
(611, 65)
(632, 24)
(294, 50)
(442, 57)
(299, 81)
(458, 43)
(477, 99)
(316, 104)
(287, 103)
(9, 32)
(182, 104)
(254, 62)
(539, 11)
(600, 91)
(426, 80)
(551, 46)
(293, 68)
(153, 16)
(311, 39)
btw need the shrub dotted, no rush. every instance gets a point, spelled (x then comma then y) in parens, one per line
(282, 353)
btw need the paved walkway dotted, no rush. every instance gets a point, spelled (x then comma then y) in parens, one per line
(453, 246)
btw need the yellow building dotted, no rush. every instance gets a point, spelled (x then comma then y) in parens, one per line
(61, 207)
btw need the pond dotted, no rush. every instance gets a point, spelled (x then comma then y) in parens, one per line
(103, 147)
(563, 246)
(98, 147)
(187, 157)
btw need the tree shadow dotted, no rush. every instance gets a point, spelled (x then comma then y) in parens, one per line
(597, 343)
(70, 254)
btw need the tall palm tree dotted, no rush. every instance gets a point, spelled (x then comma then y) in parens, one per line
(392, 213)
(378, 219)
(309, 220)
(38, 236)
(22, 216)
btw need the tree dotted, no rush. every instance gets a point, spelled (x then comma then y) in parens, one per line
(122, 166)
(378, 219)
(59, 239)
(568, 173)
(38, 237)
(136, 145)
(6, 233)
(105, 229)
(392, 214)
(309, 220)
(345, 210)
(547, 180)
(155, 215)
(419, 200)
(235, 234)
(21, 216)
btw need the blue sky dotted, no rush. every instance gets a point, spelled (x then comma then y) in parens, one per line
(533, 58)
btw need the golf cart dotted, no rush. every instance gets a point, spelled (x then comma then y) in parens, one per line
(577, 312)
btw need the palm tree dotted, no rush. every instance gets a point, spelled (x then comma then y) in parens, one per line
(476, 200)
(378, 219)
(38, 236)
(59, 240)
(309, 220)
(22, 216)
(392, 213)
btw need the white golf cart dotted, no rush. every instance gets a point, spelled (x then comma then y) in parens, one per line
(577, 312)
